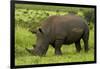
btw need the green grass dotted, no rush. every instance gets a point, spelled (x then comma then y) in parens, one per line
(25, 39)
(47, 7)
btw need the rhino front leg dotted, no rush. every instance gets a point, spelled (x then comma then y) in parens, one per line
(57, 46)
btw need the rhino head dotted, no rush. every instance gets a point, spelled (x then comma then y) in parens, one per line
(42, 44)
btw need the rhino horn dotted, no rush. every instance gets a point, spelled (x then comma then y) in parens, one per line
(29, 50)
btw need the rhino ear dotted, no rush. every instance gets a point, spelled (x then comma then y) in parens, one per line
(40, 30)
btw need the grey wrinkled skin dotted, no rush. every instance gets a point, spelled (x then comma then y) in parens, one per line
(59, 30)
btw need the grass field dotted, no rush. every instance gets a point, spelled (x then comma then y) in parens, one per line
(25, 39)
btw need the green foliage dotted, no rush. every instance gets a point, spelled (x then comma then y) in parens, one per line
(31, 16)
(89, 15)
(91, 26)
(23, 39)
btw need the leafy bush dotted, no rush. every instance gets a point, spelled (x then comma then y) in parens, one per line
(89, 15)
(32, 18)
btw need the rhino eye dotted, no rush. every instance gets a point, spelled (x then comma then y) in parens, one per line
(40, 30)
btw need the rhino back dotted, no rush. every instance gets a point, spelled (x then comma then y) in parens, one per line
(68, 27)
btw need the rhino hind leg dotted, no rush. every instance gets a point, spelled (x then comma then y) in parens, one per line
(78, 46)
(85, 39)
(57, 47)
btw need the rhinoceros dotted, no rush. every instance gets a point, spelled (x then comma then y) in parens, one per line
(58, 30)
